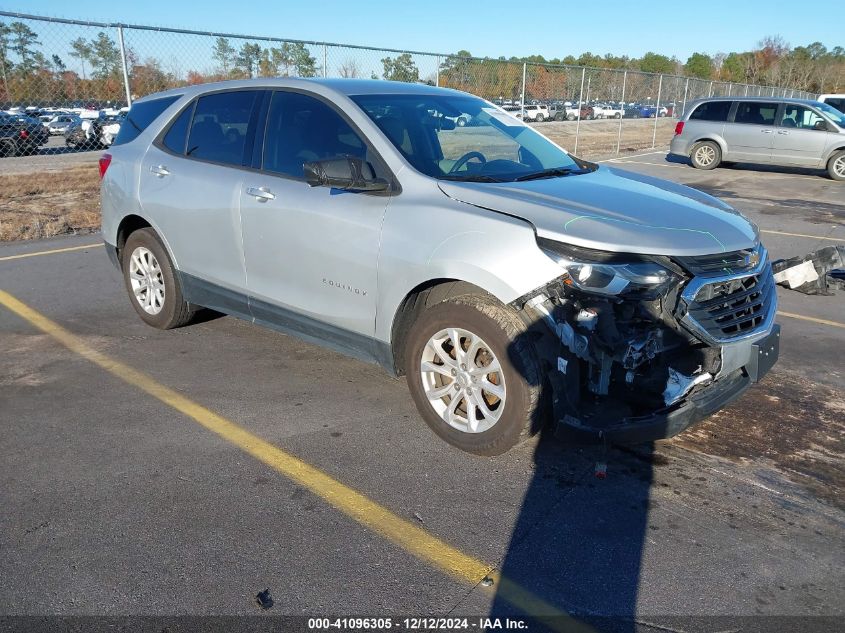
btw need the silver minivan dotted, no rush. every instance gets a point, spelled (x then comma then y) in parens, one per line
(788, 132)
(507, 279)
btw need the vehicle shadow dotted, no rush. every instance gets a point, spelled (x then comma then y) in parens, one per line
(751, 167)
(578, 543)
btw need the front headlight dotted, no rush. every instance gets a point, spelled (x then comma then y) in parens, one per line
(610, 274)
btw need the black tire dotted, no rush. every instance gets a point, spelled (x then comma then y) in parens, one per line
(7, 148)
(175, 311)
(505, 333)
(702, 152)
(618, 115)
(540, 118)
(461, 122)
(571, 117)
(836, 166)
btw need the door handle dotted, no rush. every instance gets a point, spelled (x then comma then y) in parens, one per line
(766, 131)
(262, 194)
(783, 132)
(159, 170)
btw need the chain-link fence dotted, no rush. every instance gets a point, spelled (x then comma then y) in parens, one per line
(76, 76)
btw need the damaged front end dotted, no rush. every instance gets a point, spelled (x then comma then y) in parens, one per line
(639, 348)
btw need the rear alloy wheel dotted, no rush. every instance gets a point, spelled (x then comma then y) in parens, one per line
(836, 166)
(705, 155)
(474, 375)
(540, 118)
(153, 287)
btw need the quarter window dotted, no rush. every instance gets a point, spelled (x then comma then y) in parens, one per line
(219, 128)
(140, 116)
(756, 112)
(302, 129)
(177, 135)
(711, 111)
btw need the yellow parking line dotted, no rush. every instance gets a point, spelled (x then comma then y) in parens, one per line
(375, 517)
(52, 252)
(812, 237)
(811, 319)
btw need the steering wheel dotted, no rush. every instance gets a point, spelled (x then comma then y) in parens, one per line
(463, 160)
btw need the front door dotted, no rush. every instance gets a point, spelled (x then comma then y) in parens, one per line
(797, 141)
(311, 253)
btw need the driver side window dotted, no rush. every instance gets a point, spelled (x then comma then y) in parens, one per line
(796, 116)
(301, 129)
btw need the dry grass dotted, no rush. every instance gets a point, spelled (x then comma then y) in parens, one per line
(49, 203)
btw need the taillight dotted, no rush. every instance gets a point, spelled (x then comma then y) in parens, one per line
(105, 161)
(24, 134)
(679, 128)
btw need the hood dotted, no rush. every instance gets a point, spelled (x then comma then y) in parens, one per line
(617, 211)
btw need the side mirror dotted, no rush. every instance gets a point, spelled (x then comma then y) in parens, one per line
(820, 125)
(347, 173)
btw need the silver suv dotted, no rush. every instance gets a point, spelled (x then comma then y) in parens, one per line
(788, 132)
(511, 281)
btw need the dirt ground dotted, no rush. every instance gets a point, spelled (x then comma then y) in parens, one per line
(38, 205)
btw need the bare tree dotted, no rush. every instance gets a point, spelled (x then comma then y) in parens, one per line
(349, 69)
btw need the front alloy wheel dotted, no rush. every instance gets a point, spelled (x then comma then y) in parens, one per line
(474, 374)
(463, 380)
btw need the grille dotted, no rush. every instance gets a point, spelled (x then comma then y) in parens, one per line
(732, 307)
(733, 262)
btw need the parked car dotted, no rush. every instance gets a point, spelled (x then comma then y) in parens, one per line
(85, 135)
(598, 111)
(21, 135)
(835, 100)
(531, 112)
(768, 130)
(59, 124)
(485, 296)
(587, 112)
(612, 112)
(110, 126)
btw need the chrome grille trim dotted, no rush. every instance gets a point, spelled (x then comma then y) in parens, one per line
(746, 311)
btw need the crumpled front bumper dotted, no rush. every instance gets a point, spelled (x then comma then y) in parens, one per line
(702, 402)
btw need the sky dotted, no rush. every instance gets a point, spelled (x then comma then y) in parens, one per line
(490, 28)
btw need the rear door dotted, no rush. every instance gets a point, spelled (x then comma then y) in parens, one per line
(796, 140)
(190, 185)
(750, 137)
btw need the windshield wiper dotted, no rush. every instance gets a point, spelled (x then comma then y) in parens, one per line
(549, 173)
(473, 178)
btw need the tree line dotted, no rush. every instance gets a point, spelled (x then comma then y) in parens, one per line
(32, 76)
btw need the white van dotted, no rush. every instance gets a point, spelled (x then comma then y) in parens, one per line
(836, 100)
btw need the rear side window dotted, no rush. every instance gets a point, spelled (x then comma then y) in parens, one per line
(219, 128)
(140, 116)
(838, 103)
(177, 136)
(711, 111)
(756, 113)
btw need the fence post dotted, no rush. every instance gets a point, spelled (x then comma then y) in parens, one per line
(580, 105)
(325, 61)
(686, 91)
(123, 64)
(710, 92)
(619, 133)
(437, 80)
(522, 99)
(657, 112)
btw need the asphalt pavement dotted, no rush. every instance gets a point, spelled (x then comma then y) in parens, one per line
(181, 473)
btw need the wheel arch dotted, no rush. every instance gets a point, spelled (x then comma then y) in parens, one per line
(129, 224)
(422, 296)
(713, 138)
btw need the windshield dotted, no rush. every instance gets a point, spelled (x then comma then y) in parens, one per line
(457, 137)
(831, 113)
